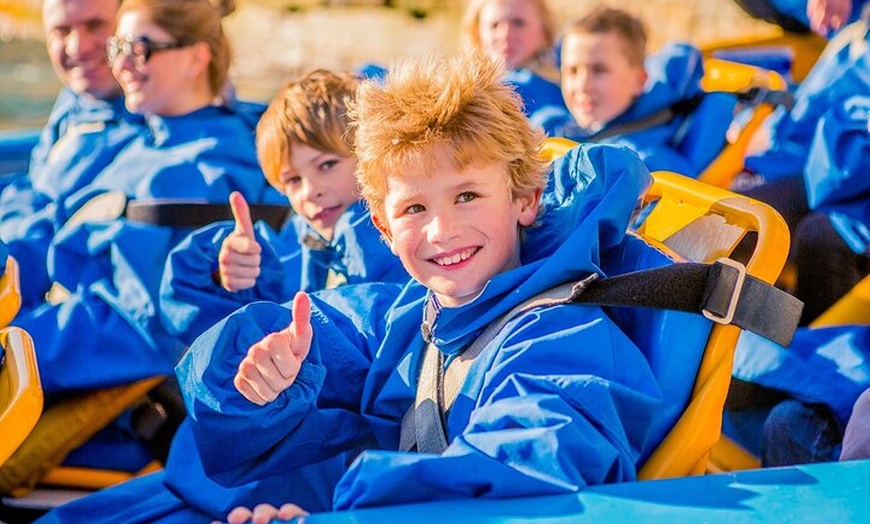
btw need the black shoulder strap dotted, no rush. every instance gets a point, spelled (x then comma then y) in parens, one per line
(723, 292)
(662, 116)
(189, 214)
(761, 95)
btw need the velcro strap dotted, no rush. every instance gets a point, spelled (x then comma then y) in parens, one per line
(175, 213)
(720, 291)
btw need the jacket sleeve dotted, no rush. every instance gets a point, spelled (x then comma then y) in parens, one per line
(190, 299)
(288, 432)
(558, 411)
(105, 333)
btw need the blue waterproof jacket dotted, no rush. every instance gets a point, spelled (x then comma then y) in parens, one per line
(542, 98)
(841, 72)
(83, 135)
(684, 144)
(191, 303)
(295, 259)
(106, 332)
(837, 175)
(825, 365)
(560, 399)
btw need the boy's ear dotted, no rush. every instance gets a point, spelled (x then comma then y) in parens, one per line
(529, 205)
(384, 229)
(642, 77)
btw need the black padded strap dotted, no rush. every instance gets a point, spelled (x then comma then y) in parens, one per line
(759, 95)
(657, 118)
(722, 291)
(189, 214)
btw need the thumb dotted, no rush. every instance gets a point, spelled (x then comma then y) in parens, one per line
(242, 215)
(300, 328)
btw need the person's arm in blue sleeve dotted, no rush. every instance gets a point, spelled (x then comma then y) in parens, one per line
(556, 413)
(287, 432)
(839, 159)
(191, 297)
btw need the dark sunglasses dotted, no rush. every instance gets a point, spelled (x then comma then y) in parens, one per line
(139, 48)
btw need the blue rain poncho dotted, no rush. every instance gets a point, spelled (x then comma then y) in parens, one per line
(559, 400)
(843, 71)
(837, 174)
(106, 331)
(684, 144)
(83, 135)
(823, 365)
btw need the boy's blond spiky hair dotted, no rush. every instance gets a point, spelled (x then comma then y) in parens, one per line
(311, 110)
(461, 102)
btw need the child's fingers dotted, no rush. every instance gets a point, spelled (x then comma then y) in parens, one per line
(264, 513)
(289, 511)
(242, 215)
(300, 328)
(239, 515)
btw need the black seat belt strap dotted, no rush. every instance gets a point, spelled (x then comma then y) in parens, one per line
(188, 214)
(721, 291)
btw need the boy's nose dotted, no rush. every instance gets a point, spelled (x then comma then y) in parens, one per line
(311, 191)
(441, 229)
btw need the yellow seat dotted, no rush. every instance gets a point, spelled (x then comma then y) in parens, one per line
(10, 292)
(64, 427)
(805, 48)
(723, 75)
(702, 223)
(852, 308)
(20, 391)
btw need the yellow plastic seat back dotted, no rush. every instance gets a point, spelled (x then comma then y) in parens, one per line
(64, 427)
(20, 391)
(805, 48)
(10, 292)
(853, 308)
(732, 77)
(703, 223)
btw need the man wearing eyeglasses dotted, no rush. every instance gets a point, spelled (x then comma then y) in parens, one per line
(88, 125)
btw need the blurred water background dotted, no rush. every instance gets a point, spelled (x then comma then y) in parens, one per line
(274, 40)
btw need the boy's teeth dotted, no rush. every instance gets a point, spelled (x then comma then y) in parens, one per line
(458, 257)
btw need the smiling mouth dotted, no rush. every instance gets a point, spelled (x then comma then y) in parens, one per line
(456, 258)
(326, 214)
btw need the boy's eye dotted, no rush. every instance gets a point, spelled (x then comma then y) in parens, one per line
(467, 196)
(327, 165)
(293, 181)
(413, 209)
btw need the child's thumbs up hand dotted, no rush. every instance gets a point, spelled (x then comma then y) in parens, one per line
(272, 364)
(239, 258)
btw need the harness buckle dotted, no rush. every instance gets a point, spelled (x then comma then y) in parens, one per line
(719, 290)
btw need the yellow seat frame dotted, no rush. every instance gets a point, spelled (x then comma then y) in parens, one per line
(806, 47)
(702, 223)
(20, 391)
(732, 77)
(10, 292)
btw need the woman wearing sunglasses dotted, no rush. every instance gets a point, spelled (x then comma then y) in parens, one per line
(100, 325)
